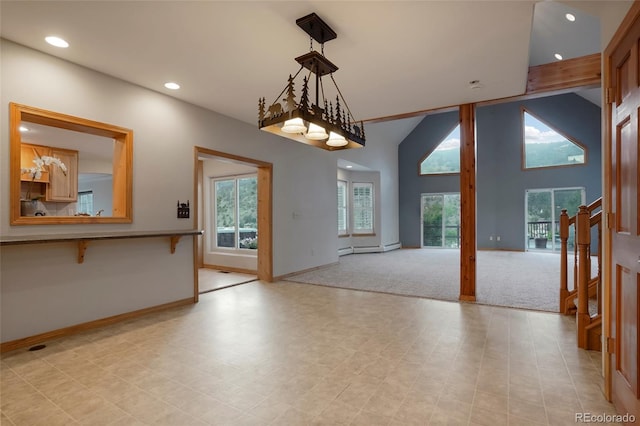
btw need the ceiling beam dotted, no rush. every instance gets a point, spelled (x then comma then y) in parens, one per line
(563, 75)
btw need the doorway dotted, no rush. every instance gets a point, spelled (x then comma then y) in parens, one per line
(441, 220)
(263, 171)
(542, 222)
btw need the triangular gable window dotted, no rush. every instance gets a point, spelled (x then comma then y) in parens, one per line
(445, 159)
(546, 147)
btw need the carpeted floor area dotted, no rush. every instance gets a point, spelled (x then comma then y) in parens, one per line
(529, 280)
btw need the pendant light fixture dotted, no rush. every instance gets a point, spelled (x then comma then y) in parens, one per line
(322, 123)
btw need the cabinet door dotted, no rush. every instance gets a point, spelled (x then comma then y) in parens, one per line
(63, 186)
(28, 153)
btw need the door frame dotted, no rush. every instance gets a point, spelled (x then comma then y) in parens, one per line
(608, 78)
(265, 211)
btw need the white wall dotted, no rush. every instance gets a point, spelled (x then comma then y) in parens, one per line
(362, 241)
(381, 154)
(102, 188)
(125, 275)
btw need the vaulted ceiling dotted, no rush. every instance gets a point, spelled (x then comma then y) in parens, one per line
(394, 57)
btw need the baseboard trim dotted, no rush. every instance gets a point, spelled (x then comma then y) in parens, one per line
(500, 249)
(74, 329)
(231, 269)
(285, 276)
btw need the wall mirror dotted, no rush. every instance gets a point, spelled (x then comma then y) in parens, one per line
(67, 170)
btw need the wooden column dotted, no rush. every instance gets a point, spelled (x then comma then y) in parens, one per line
(467, 203)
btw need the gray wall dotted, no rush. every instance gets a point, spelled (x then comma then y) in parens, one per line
(501, 182)
(43, 288)
(424, 138)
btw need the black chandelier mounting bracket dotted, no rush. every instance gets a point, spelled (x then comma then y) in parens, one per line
(323, 123)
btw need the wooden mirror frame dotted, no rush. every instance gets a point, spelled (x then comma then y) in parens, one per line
(122, 164)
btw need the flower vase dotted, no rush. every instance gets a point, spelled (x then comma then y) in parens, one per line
(28, 207)
(32, 208)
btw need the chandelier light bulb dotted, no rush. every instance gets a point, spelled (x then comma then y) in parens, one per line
(316, 132)
(295, 125)
(336, 140)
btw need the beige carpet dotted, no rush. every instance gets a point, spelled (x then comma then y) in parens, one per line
(529, 280)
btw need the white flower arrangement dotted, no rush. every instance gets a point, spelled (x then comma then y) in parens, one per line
(36, 171)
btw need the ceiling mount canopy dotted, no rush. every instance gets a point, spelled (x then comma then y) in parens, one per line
(326, 124)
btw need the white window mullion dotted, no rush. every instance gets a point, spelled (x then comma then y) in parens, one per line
(343, 224)
(363, 208)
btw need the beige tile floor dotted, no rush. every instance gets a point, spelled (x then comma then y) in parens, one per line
(213, 279)
(295, 354)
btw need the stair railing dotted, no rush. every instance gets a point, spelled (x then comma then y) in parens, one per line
(584, 285)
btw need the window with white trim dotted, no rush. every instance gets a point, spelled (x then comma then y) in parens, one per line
(362, 207)
(85, 202)
(235, 212)
(343, 224)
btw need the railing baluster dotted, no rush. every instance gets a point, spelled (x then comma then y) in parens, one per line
(583, 240)
(564, 237)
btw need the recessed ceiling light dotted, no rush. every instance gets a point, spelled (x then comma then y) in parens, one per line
(570, 17)
(349, 167)
(172, 86)
(23, 129)
(558, 56)
(56, 41)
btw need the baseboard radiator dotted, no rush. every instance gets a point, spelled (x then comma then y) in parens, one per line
(369, 249)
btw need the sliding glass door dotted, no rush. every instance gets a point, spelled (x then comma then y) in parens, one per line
(542, 223)
(441, 220)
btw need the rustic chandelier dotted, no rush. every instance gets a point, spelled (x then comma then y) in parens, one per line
(323, 124)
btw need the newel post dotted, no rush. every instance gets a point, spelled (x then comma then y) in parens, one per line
(583, 239)
(564, 236)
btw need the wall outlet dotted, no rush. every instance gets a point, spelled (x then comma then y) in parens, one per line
(498, 238)
(490, 237)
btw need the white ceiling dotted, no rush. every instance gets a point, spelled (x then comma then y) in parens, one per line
(394, 57)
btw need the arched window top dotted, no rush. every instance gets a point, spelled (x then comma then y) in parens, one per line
(544, 146)
(445, 158)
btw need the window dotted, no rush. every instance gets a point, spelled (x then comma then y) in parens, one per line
(235, 212)
(85, 202)
(445, 159)
(543, 207)
(545, 147)
(441, 220)
(362, 208)
(342, 208)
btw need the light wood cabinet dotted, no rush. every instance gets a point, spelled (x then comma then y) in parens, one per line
(28, 153)
(63, 186)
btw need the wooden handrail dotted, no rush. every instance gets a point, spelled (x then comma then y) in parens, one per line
(567, 296)
(584, 284)
(597, 203)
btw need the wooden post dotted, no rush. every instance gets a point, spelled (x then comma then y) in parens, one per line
(468, 203)
(583, 240)
(564, 236)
